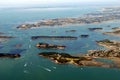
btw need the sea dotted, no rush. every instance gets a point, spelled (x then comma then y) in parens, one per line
(30, 66)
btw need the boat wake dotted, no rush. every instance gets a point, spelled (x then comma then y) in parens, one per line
(25, 65)
(47, 69)
(53, 67)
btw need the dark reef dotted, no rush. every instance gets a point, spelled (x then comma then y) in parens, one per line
(84, 36)
(9, 55)
(54, 37)
(94, 29)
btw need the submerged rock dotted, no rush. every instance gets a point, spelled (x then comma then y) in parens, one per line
(18, 45)
(84, 36)
(6, 37)
(1, 47)
(71, 31)
(1, 33)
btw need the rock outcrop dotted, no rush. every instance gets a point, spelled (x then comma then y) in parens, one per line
(90, 58)
(115, 31)
(104, 53)
(47, 46)
(111, 44)
(94, 29)
(84, 36)
(64, 58)
(9, 55)
(70, 30)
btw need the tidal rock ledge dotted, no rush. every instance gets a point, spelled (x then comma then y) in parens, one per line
(8, 55)
(54, 37)
(6, 37)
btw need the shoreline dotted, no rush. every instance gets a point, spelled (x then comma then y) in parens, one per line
(89, 18)
(89, 58)
(115, 32)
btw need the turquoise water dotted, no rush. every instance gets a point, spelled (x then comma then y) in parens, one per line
(30, 66)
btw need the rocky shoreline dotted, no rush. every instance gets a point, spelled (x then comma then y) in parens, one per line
(98, 17)
(110, 44)
(49, 46)
(64, 58)
(89, 59)
(115, 31)
(104, 53)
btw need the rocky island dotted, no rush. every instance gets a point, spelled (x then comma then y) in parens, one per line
(112, 51)
(98, 17)
(54, 37)
(90, 58)
(52, 46)
(63, 58)
(115, 31)
(94, 29)
(9, 55)
(110, 44)
(70, 30)
(84, 36)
